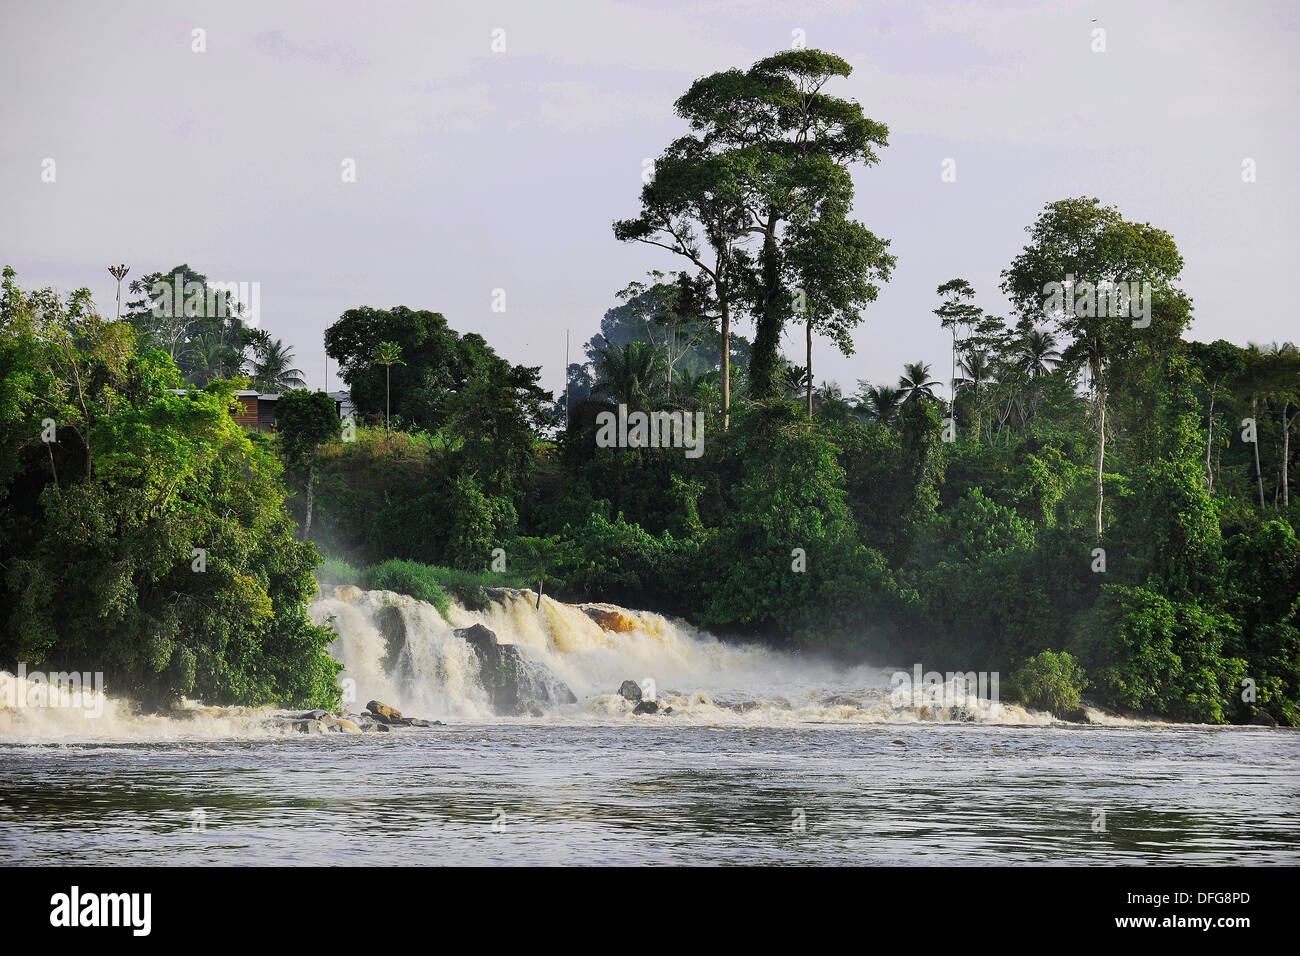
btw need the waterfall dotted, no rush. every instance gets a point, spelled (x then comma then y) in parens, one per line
(400, 650)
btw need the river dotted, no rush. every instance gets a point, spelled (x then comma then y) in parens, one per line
(766, 758)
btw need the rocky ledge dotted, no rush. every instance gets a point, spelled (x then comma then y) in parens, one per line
(378, 718)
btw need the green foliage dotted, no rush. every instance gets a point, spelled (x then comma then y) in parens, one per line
(199, 325)
(1050, 681)
(303, 421)
(865, 526)
(1263, 575)
(435, 364)
(416, 580)
(1149, 653)
(479, 524)
(150, 541)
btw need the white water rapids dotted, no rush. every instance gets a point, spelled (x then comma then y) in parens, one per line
(591, 648)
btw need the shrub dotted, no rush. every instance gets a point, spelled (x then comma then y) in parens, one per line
(1051, 682)
(411, 578)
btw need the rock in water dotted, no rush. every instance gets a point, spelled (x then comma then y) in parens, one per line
(646, 707)
(512, 681)
(611, 618)
(630, 690)
(382, 712)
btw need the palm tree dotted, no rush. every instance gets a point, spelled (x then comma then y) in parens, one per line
(1038, 352)
(212, 358)
(628, 374)
(273, 369)
(795, 381)
(915, 382)
(690, 390)
(119, 273)
(977, 371)
(883, 402)
(388, 354)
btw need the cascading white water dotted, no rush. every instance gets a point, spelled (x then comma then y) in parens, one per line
(429, 672)
(594, 648)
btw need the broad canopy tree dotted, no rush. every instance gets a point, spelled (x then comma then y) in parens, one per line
(768, 154)
(1081, 241)
(437, 364)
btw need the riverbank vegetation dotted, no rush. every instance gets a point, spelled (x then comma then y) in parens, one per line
(1077, 495)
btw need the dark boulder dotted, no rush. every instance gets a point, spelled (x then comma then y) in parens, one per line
(382, 712)
(1262, 719)
(515, 685)
(646, 707)
(629, 690)
(392, 626)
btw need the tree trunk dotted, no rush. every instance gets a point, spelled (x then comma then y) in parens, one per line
(1209, 440)
(388, 396)
(808, 327)
(311, 487)
(1259, 474)
(1101, 447)
(1286, 451)
(763, 357)
(726, 364)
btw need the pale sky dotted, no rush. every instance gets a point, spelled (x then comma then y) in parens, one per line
(478, 170)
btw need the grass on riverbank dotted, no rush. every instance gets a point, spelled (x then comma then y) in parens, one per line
(425, 582)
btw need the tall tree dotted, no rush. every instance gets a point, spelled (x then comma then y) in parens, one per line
(693, 203)
(800, 142)
(956, 313)
(388, 354)
(835, 263)
(1078, 241)
(1221, 363)
(768, 146)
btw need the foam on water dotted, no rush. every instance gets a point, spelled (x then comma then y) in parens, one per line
(31, 712)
